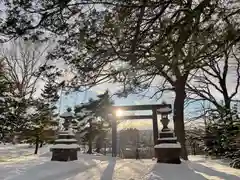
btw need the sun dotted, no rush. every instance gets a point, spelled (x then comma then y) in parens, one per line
(119, 112)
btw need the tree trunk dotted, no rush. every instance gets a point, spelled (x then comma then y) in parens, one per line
(178, 116)
(98, 150)
(105, 148)
(89, 146)
(99, 143)
(2, 136)
(36, 144)
(13, 139)
(98, 146)
(90, 138)
(41, 144)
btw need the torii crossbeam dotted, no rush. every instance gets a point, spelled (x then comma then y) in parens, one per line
(153, 107)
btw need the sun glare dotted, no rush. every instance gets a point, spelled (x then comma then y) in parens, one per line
(119, 112)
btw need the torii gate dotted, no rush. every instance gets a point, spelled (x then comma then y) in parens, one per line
(153, 107)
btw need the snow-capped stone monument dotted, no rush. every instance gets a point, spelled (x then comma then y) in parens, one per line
(168, 149)
(65, 147)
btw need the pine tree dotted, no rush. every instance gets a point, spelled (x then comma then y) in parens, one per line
(50, 91)
(223, 128)
(43, 120)
(9, 122)
(92, 119)
(87, 125)
(4, 125)
(50, 96)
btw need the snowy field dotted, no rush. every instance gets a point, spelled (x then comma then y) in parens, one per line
(90, 167)
(17, 152)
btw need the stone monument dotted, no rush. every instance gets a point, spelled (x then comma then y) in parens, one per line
(65, 147)
(168, 149)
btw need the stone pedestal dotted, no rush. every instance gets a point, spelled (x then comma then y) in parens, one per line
(64, 155)
(65, 147)
(167, 149)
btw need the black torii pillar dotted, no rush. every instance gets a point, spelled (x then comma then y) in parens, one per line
(114, 136)
(155, 125)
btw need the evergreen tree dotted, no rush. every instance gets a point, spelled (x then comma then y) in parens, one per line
(92, 120)
(50, 91)
(43, 118)
(50, 97)
(4, 124)
(9, 103)
(222, 132)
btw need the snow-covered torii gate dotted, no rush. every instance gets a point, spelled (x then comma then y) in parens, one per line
(153, 107)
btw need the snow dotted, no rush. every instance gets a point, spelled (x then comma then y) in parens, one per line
(31, 110)
(63, 132)
(169, 138)
(65, 146)
(168, 145)
(18, 152)
(162, 132)
(164, 110)
(66, 140)
(80, 114)
(67, 115)
(2, 99)
(213, 169)
(67, 133)
(51, 128)
(87, 118)
(107, 168)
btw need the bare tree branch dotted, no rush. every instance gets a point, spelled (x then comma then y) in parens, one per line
(216, 77)
(23, 60)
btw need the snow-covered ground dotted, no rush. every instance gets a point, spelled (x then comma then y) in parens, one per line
(18, 152)
(90, 167)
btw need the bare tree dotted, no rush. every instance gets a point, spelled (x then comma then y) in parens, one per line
(24, 60)
(25, 64)
(220, 78)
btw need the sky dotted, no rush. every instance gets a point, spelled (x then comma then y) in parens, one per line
(76, 98)
(192, 110)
